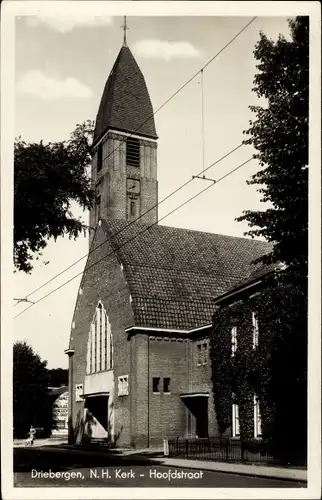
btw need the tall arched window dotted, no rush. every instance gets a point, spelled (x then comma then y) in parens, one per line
(99, 345)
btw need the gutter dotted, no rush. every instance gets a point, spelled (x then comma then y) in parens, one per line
(133, 329)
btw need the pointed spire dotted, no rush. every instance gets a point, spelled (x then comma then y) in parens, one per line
(125, 28)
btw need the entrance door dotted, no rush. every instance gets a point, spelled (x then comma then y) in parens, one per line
(201, 415)
(97, 416)
(198, 408)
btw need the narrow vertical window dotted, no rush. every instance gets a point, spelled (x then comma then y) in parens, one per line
(78, 392)
(255, 330)
(155, 385)
(104, 150)
(202, 352)
(257, 419)
(99, 157)
(101, 337)
(95, 348)
(99, 342)
(98, 200)
(199, 354)
(93, 330)
(106, 333)
(233, 340)
(205, 353)
(166, 385)
(132, 209)
(88, 357)
(111, 349)
(235, 420)
(97, 336)
(133, 152)
(123, 385)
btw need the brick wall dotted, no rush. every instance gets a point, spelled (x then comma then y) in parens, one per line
(104, 281)
(200, 381)
(160, 416)
(157, 416)
(113, 175)
(168, 414)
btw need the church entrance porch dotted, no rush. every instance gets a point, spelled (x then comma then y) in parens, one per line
(197, 405)
(97, 422)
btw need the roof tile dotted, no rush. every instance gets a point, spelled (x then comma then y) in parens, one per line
(125, 104)
(174, 274)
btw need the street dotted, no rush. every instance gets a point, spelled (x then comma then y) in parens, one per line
(58, 466)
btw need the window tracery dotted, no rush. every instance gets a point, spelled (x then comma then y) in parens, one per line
(100, 343)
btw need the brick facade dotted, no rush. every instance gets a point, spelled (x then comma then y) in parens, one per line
(111, 181)
(142, 418)
(103, 282)
(156, 290)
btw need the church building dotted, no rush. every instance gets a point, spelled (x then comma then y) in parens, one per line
(139, 365)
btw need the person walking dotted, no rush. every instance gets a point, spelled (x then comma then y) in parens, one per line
(32, 433)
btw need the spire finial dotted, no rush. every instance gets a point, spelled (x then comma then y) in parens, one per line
(125, 28)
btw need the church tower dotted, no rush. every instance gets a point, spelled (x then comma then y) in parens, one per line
(124, 170)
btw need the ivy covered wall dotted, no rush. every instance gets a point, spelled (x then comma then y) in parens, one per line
(276, 370)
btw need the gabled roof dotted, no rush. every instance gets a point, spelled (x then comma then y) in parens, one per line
(125, 104)
(175, 274)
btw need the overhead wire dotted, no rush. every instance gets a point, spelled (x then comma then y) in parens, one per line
(202, 124)
(132, 222)
(156, 111)
(131, 239)
(184, 85)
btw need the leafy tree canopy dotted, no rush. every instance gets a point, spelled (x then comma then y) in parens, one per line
(48, 178)
(31, 403)
(280, 136)
(277, 369)
(58, 377)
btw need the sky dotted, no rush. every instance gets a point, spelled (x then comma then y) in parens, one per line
(61, 66)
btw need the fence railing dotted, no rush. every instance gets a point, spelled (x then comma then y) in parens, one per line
(221, 450)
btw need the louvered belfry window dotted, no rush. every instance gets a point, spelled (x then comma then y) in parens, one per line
(133, 152)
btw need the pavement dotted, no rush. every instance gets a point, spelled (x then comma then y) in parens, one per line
(62, 466)
(251, 470)
(156, 456)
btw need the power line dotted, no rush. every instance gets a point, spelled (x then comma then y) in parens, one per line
(131, 239)
(158, 109)
(202, 124)
(134, 221)
(184, 85)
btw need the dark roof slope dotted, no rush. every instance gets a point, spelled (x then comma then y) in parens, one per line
(125, 104)
(174, 274)
(57, 391)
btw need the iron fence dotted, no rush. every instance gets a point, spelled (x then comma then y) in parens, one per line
(221, 450)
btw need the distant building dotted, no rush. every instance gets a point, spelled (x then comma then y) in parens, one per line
(139, 366)
(60, 407)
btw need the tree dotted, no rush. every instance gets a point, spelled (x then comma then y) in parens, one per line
(58, 377)
(277, 370)
(280, 135)
(31, 402)
(48, 178)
